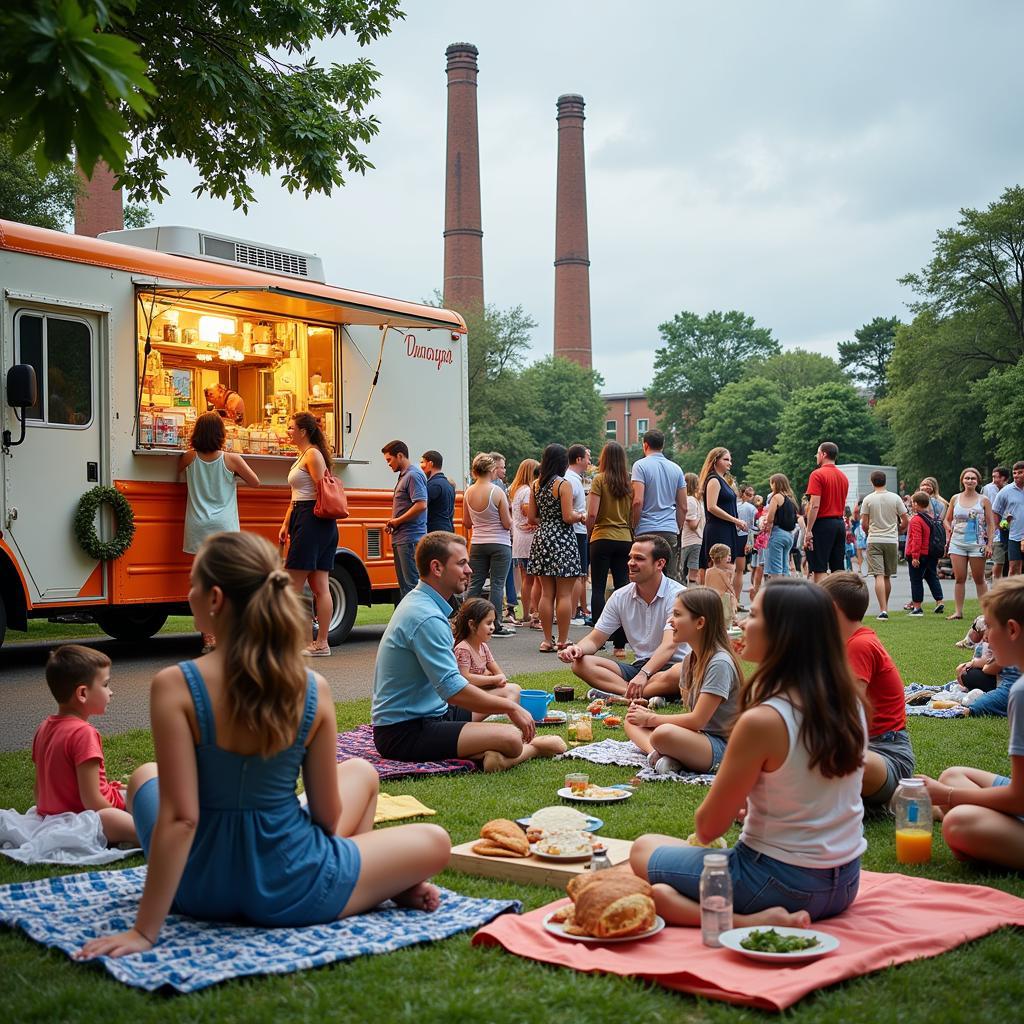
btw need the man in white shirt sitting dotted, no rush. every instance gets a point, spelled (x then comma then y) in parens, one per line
(641, 609)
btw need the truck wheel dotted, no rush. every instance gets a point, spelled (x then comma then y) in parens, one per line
(129, 623)
(346, 603)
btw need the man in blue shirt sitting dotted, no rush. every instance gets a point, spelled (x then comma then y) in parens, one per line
(423, 708)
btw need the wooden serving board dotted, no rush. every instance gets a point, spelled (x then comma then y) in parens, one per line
(532, 870)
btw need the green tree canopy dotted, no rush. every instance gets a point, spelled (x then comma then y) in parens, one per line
(700, 355)
(829, 412)
(229, 87)
(566, 405)
(866, 358)
(794, 369)
(1001, 395)
(743, 416)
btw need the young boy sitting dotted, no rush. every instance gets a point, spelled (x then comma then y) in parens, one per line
(67, 750)
(890, 756)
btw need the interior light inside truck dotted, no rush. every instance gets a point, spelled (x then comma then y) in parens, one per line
(212, 327)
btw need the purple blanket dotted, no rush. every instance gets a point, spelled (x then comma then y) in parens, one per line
(359, 743)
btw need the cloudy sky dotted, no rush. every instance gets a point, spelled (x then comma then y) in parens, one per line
(790, 159)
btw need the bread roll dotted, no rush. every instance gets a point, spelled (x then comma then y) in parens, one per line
(615, 906)
(508, 834)
(488, 849)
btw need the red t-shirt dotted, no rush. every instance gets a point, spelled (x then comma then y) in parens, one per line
(60, 745)
(871, 663)
(831, 485)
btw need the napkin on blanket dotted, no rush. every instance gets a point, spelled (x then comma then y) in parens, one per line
(56, 838)
(394, 808)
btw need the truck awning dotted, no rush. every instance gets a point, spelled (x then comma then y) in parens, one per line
(303, 304)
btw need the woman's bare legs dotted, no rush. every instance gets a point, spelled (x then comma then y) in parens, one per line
(679, 910)
(546, 606)
(978, 574)
(691, 749)
(564, 587)
(358, 786)
(324, 605)
(639, 734)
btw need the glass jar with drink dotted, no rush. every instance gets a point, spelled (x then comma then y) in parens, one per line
(913, 810)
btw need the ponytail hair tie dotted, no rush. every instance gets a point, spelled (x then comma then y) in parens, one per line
(279, 579)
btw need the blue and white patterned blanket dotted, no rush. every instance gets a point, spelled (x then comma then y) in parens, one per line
(627, 754)
(66, 912)
(918, 710)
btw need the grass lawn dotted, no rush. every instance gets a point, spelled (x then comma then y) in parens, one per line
(449, 981)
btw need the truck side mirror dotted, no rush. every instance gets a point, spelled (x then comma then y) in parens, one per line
(22, 393)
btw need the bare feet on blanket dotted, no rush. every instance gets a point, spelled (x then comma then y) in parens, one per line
(424, 896)
(776, 916)
(539, 746)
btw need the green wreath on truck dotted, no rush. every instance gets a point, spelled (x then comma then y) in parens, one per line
(85, 523)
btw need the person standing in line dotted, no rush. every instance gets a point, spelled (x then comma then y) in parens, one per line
(969, 524)
(1000, 478)
(408, 522)
(440, 494)
(485, 511)
(659, 497)
(747, 511)
(1009, 505)
(883, 517)
(609, 506)
(722, 523)
(211, 503)
(579, 463)
(923, 565)
(693, 534)
(554, 555)
(930, 486)
(778, 523)
(825, 536)
(511, 597)
(312, 542)
(522, 539)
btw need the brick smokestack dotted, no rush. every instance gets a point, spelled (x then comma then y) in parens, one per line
(99, 207)
(572, 256)
(463, 237)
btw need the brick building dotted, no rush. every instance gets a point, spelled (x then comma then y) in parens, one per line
(627, 417)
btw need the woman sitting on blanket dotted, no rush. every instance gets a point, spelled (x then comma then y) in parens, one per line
(694, 741)
(794, 764)
(222, 828)
(983, 813)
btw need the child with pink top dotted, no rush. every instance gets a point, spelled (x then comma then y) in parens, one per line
(473, 628)
(68, 752)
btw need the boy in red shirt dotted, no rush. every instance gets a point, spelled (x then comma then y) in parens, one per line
(923, 566)
(890, 756)
(68, 752)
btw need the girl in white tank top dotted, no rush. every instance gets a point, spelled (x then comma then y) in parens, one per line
(794, 763)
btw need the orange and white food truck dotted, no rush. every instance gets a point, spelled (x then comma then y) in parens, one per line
(135, 334)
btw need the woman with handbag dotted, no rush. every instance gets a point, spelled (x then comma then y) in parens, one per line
(312, 540)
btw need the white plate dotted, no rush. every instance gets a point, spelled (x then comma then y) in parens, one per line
(567, 794)
(565, 857)
(826, 943)
(556, 929)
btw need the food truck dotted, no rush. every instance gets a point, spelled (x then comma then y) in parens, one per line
(133, 335)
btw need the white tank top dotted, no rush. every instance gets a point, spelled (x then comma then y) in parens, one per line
(487, 528)
(796, 815)
(301, 483)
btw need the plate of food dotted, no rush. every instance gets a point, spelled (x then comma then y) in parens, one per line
(564, 845)
(779, 944)
(554, 717)
(547, 819)
(559, 928)
(595, 794)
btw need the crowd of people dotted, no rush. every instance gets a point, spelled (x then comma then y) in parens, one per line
(798, 749)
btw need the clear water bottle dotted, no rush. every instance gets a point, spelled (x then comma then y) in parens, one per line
(913, 810)
(715, 898)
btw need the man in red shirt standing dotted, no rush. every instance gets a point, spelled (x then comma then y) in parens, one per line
(825, 539)
(890, 756)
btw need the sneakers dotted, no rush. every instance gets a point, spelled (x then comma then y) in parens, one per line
(654, 703)
(595, 694)
(917, 613)
(667, 765)
(503, 632)
(939, 608)
(317, 652)
(578, 621)
(653, 758)
(882, 616)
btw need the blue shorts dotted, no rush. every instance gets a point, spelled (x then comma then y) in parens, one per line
(144, 808)
(717, 749)
(1003, 780)
(760, 881)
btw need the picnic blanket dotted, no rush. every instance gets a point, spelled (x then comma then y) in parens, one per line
(67, 838)
(394, 808)
(895, 918)
(66, 912)
(627, 754)
(923, 709)
(359, 743)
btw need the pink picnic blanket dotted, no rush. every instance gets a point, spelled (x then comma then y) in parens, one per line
(358, 742)
(895, 918)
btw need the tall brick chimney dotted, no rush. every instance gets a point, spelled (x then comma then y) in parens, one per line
(463, 237)
(572, 259)
(99, 207)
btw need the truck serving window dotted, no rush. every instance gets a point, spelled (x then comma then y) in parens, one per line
(60, 350)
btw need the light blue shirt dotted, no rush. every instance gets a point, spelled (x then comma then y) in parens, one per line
(990, 490)
(1010, 501)
(416, 671)
(747, 511)
(662, 482)
(411, 487)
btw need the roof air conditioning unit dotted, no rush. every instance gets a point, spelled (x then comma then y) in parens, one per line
(202, 245)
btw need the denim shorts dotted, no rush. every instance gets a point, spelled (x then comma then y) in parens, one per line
(967, 550)
(760, 881)
(717, 749)
(1004, 780)
(776, 555)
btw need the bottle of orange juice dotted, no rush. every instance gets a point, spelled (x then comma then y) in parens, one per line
(913, 822)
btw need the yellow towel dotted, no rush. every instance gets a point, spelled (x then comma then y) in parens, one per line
(392, 808)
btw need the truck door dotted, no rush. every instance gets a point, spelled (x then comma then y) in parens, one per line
(62, 455)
